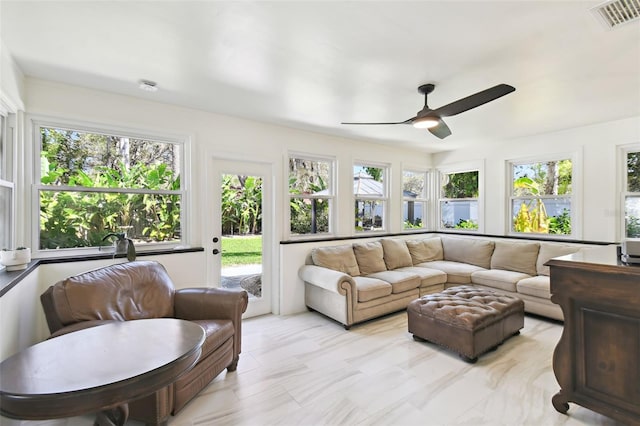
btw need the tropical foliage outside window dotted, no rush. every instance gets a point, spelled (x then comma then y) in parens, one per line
(459, 200)
(369, 190)
(632, 196)
(541, 197)
(6, 186)
(241, 205)
(414, 195)
(94, 183)
(310, 195)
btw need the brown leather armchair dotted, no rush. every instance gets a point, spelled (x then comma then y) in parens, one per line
(140, 290)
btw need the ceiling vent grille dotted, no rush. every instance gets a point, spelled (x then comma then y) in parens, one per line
(617, 12)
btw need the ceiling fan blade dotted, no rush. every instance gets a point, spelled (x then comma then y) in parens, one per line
(441, 130)
(475, 100)
(393, 122)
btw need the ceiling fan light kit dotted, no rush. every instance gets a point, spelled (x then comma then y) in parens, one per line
(431, 119)
(425, 122)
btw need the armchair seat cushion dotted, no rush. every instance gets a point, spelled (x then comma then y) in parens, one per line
(216, 333)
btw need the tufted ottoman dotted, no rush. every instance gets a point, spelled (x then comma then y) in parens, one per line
(466, 319)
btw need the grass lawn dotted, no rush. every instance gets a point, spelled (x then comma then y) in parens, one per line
(241, 250)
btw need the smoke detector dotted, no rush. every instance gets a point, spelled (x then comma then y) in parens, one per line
(613, 14)
(148, 85)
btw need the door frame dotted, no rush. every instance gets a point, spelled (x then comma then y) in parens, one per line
(216, 166)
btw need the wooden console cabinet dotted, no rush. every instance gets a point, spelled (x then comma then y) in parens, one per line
(597, 360)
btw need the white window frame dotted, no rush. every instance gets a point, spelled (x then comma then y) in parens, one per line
(460, 168)
(573, 197)
(330, 196)
(423, 199)
(35, 142)
(624, 192)
(8, 175)
(384, 199)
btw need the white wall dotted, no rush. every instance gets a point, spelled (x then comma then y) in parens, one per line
(11, 81)
(595, 180)
(228, 137)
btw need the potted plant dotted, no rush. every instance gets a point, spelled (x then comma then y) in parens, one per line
(15, 260)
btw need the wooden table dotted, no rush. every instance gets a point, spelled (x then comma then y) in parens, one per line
(98, 369)
(597, 360)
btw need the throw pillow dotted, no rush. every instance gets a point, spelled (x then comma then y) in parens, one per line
(370, 257)
(426, 250)
(518, 257)
(549, 251)
(338, 258)
(396, 253)
(468, 250)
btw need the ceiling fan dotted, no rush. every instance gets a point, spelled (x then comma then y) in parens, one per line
(431, 119)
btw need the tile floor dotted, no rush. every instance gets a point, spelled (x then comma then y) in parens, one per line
(307, 370)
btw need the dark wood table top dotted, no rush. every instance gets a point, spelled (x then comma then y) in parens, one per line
(97, 368)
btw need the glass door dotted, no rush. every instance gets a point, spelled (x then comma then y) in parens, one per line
(241, 231)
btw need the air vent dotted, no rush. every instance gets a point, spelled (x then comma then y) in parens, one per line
(618, 12)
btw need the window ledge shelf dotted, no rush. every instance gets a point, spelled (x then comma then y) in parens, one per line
(8, 280)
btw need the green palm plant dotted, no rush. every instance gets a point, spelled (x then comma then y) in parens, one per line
(532, 216)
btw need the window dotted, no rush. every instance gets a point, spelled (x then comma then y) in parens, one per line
(311, 195)
(632, 193)
(459, 193)
(541, 197)
(6, 184)
(93, 183)
(370, 193)
(414, 199)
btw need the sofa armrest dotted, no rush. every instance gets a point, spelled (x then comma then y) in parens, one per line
(328, 279)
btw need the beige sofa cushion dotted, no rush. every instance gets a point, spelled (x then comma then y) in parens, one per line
(518, 257)
(339, 258)
(549, 251)
(400, 281)
(468, 250)
(535, 286)
(428, 276)
(498, 279)
(371, 288)
(396, 253)
(426, 250)
(370, 257)
(457, 273)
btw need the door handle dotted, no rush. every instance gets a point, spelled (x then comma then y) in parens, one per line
(215, 251)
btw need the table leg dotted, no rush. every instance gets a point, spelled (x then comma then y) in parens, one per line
(113, 417)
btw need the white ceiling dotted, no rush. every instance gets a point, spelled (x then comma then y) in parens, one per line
(311, 65)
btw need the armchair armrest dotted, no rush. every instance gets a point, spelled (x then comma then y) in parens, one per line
(205, 303)
(328, 279)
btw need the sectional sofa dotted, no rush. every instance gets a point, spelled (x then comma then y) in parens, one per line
(355, 282)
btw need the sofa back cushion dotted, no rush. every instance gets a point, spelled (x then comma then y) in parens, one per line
(468, 250)
(121, 292)
(426, 250)
(339, 258)
(396, 253)
(549, 251)
(370, 257)
(515, 256)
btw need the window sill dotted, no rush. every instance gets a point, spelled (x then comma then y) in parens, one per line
(8, 280)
